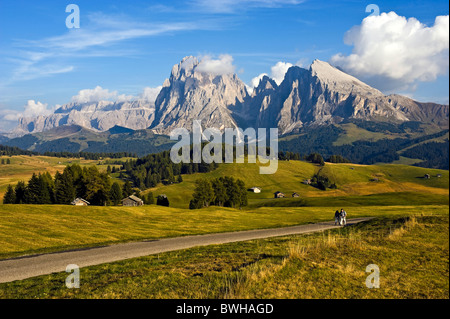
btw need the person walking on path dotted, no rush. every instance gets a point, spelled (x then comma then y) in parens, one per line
(337, 218)
(343, 217)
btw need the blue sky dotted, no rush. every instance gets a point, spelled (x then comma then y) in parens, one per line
(127, 46)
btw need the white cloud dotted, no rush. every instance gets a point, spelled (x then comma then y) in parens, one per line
(150, 94)
(100, 94)
(277, 73)
(222, 65)
(392, 52)
(31, 110)
(255, 81)
(95, 95)
(279, 70)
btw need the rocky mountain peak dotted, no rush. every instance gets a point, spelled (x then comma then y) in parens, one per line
(319, 95)
(192, 95)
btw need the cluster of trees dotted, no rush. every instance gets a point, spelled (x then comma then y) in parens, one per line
(322, 182)
(337, 159)
(320, 141)
(223, 191)
(88, 155)
(10, 151)
(148, 171)
(13, 150)
(433, 154)
(289, 156)
(87, 183)
(315, 158)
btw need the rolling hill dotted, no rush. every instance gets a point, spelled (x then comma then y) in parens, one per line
(401, 184)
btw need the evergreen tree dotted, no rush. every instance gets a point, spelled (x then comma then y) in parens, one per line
(50, 185)
(168, 174)
(179, 179)
(127, 189)
(19, 192)
(33, 190)
(243, 200)
(64, 188)
(116, 194)
(10, 196)
(162, 200)
(108, 170)
(3, 161)
(8, 161)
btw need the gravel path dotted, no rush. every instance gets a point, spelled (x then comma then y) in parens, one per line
(36, 265)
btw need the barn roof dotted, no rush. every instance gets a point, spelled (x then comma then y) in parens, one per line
(134, 198)
(78, 199)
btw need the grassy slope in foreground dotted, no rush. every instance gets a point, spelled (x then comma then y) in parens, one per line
(29, 229)
(410, 250)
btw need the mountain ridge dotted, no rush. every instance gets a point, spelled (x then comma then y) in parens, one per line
(320, 95)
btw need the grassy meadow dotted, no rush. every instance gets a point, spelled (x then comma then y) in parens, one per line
(408, 239)
(23, 166)
(411, 251)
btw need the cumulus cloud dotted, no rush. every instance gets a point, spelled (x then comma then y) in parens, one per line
(392, 52)
(255, 81)
(99, 94)
(31, 109)
(222, 65)
(279, 70)
(277, 73)
(150, 94)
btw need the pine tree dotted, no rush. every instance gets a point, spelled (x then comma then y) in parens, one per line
(243, 200)
(162, 200)
(19, 192)
(8, 161)
(116, 193)
(127, 189)
(10, 196)
(64, 188)
(179, 179)
(32, 190)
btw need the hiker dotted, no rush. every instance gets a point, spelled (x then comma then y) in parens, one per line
(343, 216)
(337, 218)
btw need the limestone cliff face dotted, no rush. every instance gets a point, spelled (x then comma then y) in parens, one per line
(321, 95)
(98, 116)
(190, 95)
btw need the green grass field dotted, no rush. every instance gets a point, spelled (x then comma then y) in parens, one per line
(22, 167)
(408, 239)
(411, 251)
(32, 229)
(351, 179)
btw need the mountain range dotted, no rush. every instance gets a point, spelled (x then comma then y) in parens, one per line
(320, 95)
(320, 109)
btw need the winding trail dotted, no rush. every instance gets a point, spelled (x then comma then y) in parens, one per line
(36, 265)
